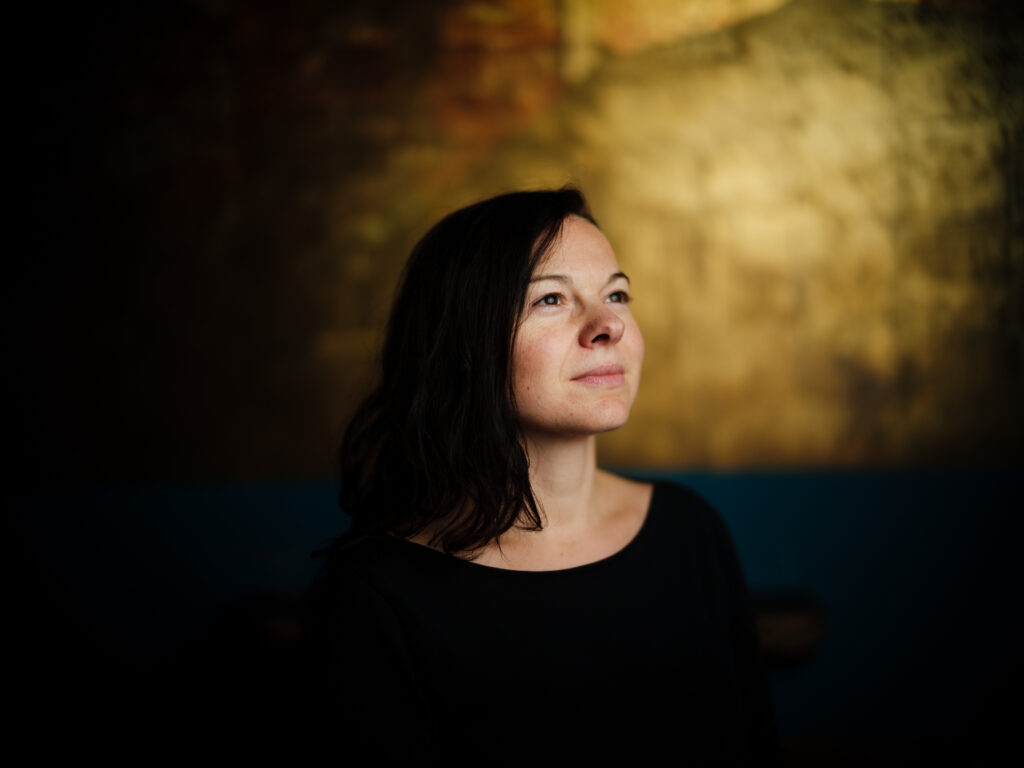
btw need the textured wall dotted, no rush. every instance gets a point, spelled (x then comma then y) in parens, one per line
(819, 204)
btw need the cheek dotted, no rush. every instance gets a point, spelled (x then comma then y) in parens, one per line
(526, 368)
(638, 345)
(637, 353)
(536, 370)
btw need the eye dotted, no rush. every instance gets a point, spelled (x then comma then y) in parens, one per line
(549, 300)
(618, 297)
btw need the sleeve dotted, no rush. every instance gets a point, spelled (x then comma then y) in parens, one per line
(366, 698)
(756, 711)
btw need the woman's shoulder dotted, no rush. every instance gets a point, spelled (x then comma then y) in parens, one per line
(676, 495)
(362, 562)
(623, 493)
(670, 509)
(652, 490)
(686, 511)
(658, 498)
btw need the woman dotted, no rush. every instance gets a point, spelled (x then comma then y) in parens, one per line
(501, 599)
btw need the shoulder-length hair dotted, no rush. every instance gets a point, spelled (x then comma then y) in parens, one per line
(437, 445)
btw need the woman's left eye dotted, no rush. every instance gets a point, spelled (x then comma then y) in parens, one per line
(619, 297)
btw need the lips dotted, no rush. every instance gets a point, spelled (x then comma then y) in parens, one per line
(603, 376)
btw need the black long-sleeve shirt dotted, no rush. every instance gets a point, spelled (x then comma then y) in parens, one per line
(648, 655)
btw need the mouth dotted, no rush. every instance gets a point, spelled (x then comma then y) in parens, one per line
(603, 376)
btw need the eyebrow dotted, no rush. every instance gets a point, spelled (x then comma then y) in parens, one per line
(565, 279)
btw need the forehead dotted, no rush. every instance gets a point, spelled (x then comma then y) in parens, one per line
(580, 245)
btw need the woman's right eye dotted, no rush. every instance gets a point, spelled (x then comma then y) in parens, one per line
(549, 300)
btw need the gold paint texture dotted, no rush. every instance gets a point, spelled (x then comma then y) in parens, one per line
(818, 205)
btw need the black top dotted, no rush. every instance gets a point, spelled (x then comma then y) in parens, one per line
(647, 654)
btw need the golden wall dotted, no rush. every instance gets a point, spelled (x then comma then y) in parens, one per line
(819, 204)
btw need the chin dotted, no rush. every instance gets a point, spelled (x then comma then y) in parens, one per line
(596, 424)
(578, 419)
(610, 427)
(609, 417)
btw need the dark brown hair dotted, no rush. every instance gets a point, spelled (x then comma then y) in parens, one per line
(437, 443)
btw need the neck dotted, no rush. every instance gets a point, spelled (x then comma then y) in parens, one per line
(562, 473)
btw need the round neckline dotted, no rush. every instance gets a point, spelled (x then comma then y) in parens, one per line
(614, 556)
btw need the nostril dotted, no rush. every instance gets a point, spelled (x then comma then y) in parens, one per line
(601, 336)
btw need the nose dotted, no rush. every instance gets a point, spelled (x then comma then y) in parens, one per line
(603, 326)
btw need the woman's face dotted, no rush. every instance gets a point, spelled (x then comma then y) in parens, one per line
(578, 353)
